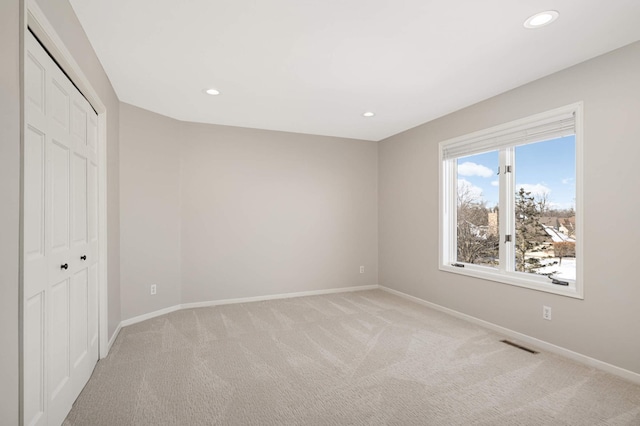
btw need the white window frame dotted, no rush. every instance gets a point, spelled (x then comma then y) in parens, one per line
(498, 138)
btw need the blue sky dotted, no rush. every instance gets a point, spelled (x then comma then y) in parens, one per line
(548, 166)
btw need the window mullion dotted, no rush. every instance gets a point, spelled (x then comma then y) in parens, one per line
(507, 209)
(501, 210)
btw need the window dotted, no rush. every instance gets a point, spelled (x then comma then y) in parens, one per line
(510, 203)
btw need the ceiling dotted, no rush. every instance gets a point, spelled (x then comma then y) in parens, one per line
(315, 66)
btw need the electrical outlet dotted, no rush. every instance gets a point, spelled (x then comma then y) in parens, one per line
(362, 269)
(153, 289)
(546, 312)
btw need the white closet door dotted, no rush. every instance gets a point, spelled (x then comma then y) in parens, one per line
(60, 240)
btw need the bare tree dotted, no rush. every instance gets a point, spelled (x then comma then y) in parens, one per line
(564, 249)
(542, 202)
(474, 243)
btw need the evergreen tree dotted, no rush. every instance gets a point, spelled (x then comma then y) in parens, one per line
(529, 232)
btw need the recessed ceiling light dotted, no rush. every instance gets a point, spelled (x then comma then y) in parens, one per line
(541, 19)
(212, 92)
(368, 114)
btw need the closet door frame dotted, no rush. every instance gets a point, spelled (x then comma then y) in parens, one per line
(36, 22)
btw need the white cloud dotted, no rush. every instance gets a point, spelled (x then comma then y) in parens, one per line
(469, 190)
(469, 168)
(536, 190)
(567, 181)
(495, 182)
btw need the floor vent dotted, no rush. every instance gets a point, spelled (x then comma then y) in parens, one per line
(515, 345)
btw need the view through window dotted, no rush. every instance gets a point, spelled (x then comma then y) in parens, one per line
(545, 210)
(477, 209)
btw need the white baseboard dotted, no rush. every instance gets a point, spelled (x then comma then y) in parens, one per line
(150, 315)
(174, 308)
(549, 347)
(277, 296)
(113, 339)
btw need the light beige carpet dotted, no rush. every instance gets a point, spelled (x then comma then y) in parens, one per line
(363, 358)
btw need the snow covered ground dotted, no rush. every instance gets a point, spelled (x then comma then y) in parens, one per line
(566, 270)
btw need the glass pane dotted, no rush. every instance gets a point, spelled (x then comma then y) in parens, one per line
(477, 214)
(545, 216)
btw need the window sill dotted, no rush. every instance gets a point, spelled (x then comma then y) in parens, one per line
(534, 283)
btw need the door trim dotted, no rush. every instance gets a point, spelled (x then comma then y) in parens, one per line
(43, 30)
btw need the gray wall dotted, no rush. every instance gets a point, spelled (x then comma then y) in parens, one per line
(10, 105)
(267, 212)
(150, 210)
(214, 212)
(63, 19)
(605, 324)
